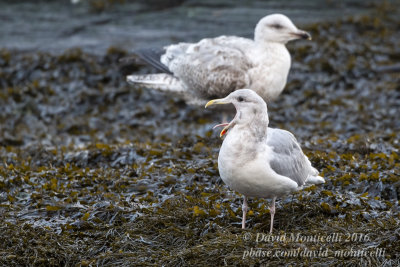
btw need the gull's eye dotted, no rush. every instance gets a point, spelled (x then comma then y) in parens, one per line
(240, 99)
(276, 26)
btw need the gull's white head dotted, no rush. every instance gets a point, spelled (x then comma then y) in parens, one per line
(278, 28)
(250, 109)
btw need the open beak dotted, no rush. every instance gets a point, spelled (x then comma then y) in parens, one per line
(302, 35)
(217, 101)
(225, 129)
(225, 125)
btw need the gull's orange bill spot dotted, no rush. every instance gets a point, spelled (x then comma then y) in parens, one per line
(223, 132)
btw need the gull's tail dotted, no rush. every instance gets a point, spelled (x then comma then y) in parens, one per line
(311, 180)
(314, 180)
(160, 81)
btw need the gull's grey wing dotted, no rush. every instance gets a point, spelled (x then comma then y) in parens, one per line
(152, 57)
(288, 159)
(213, 67)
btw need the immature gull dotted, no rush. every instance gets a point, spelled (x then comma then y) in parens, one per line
(258, 161)
(215, 67)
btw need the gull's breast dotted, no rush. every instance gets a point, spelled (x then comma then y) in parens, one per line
(249, 173)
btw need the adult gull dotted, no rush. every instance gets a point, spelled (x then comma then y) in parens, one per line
(215, 67)
(259, 161)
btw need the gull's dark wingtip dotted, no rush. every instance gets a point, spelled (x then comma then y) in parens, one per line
(152, 57)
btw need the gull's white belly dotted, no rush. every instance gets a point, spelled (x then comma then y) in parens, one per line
(254, 178)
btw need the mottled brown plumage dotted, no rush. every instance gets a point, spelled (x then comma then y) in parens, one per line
(214, 67)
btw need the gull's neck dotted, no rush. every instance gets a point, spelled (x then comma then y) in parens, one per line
(272, 64)
(254, 122)
(245, 139)
(272, 48)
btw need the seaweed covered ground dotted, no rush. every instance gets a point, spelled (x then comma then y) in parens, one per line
(95, 173)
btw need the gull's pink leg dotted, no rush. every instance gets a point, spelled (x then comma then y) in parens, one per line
(272, 211)
(245, 208)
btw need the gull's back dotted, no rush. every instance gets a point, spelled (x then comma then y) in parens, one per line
(213, 67)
